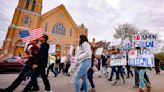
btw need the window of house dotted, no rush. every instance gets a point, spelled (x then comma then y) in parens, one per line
(59, 29)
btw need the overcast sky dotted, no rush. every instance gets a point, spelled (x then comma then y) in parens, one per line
(101, 17)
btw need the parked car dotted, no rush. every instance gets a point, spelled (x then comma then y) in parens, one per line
(10, 65)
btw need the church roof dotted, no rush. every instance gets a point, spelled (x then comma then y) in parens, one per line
(56, 9)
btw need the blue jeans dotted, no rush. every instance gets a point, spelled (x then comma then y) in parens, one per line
(82, 73)
(113, 70)
(142, 80)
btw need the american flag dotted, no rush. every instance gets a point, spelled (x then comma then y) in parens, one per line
(30, 35)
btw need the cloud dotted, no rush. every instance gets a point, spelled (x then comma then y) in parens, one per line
(101, 17)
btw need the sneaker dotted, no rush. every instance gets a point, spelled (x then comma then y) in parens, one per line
(109, 79)
(114, 83)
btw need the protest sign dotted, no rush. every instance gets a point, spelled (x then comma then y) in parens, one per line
(118, 59)
(142, 58)
(144, 41)
(70, 50)
(52, 49)
(99, 51)
(126, 44)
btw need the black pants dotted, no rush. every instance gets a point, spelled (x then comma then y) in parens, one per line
(90, 78)
(129, 71)
(67, 67)
(136, 78)
(26, 70)
(61, 67)
(52, 69)
(146, 78)
(34, 76)
(119, 71)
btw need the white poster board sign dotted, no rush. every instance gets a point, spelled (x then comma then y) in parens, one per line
(126, 44)
(99, 51)
(145, 41)
(52, 49)
(118, 59)
(142, 58)
(70, 50)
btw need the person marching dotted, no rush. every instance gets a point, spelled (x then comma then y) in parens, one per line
(31, 54)
(119, 69)
(52, 61)
(42, 60)
(90, 75)
(83, 63)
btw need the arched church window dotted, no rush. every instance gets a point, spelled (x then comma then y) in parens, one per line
(33, 5)
(59, 29)
(26, 20)
(27, 4)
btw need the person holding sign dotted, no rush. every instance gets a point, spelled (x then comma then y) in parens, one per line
(51, 63)
(119, 68)
(142, 71)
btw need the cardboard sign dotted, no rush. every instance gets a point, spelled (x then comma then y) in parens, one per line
(142, 58)
(118, 59)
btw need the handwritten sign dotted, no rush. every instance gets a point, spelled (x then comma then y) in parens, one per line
(126, 44)
(142, 58)
(144, 41)
(118, 59)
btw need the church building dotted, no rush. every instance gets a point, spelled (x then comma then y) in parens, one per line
(57, 23)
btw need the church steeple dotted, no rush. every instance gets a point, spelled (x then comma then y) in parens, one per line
(30, 5)
(27, 16)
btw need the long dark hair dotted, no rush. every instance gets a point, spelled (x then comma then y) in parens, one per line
(83, 39)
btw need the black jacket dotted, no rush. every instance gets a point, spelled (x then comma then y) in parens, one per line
(43, 55)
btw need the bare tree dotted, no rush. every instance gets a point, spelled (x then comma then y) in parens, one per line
(125, 30)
